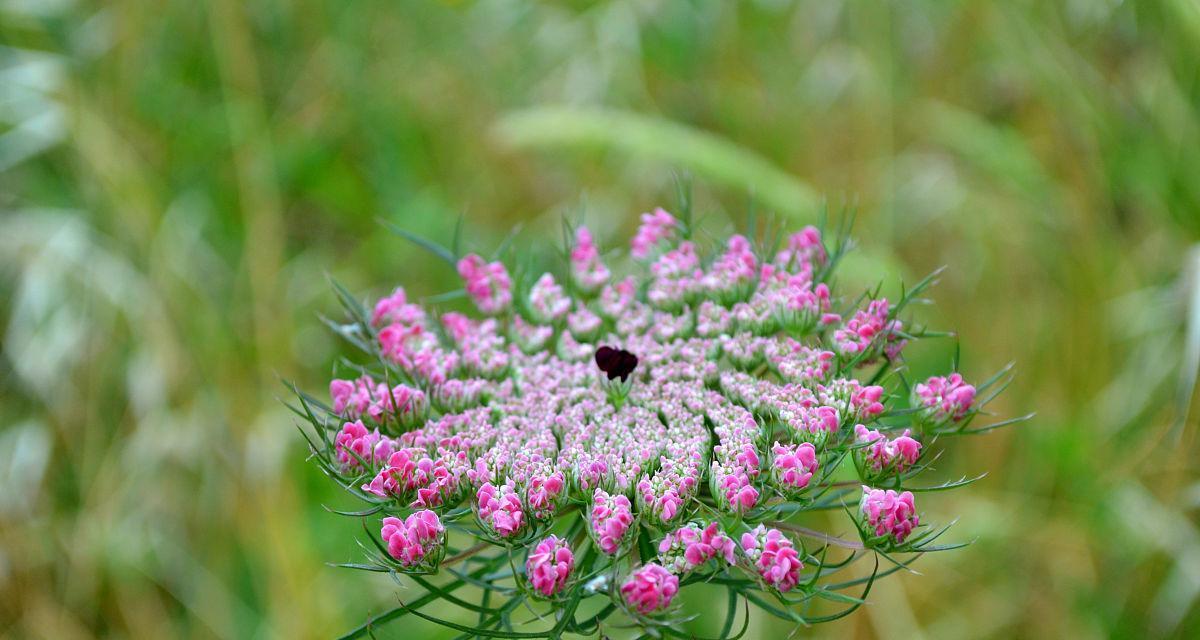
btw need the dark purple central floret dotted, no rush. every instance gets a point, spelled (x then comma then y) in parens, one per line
(616, 363)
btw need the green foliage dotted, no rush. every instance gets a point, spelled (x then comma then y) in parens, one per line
(176, 179)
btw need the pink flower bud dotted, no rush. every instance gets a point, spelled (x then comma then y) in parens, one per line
(692, 545)
(883, 455)
(611, 518)
(947, 399)
(487, 284)
(793, 466)
(587, 270)
(500, 509)
(889, 514)
(549, 565)
(773, 556)
(354, 442)
(412, 540)
(655, 228)
(650, 588)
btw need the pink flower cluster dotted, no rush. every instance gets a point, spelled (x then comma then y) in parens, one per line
(509, 413)
(736, 463)
(411, 473)
(354, 443)
(656, 227)
(773, 556)
(587, 269)
(884, 455)
(853, 401)
(688, 547)
(365, 397)
(870, 330)
(734, 275)
(414, 539)
(487, 283)
(796, 305)
(674, 277)
(611, 518)
(793, 465)
(650, 588)
(795, 362)
(945, 398)
(804, 249)
(397, 309)
(889, 514)
(548, 303)
(500, 509)
(616, 298)
(549, 565)
(544, 492)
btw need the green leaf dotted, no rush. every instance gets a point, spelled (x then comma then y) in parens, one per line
(949, 484)
(432, 247)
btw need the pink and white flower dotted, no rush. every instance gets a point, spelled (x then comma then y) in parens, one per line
(793, 465)
(656, 228)
(773, 556)
(692, 545)
(888, 514)
(487, 284)
(945, 399)
(500, 509)
(549, 565)
(650, 589)
(611, 518)
(415, 539)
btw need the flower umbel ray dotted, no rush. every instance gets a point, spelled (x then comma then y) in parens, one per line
(625, 431)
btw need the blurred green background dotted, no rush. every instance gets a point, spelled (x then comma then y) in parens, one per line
(177, 178)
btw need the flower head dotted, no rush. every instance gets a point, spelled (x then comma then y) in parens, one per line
(415, 539)
(656, 227)
(944, 399)
(883, 455)
(487, 283)
(709, 386)
(549, 565)
(694, 544)
(611, 517)
(355, 445)
(889, 515)
(793, 465)
(869, 332)
(500, 509)
(650, 588)
(587, 269)
(773, 556)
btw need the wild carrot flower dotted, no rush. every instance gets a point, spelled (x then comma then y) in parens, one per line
(355, 445)
(656, 227)
(549, 565)
(692, 545)
(487, 283)
(500, 509)
(793, 465)
(414, 539)
(650, 588)
(944, 399)
(611, 517)
(675, 408)
(884, 455)
(587, 270)
(889, 514)
(870, 332)
(773, 556)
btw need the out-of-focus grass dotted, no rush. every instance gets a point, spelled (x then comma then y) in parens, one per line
(176, 178)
